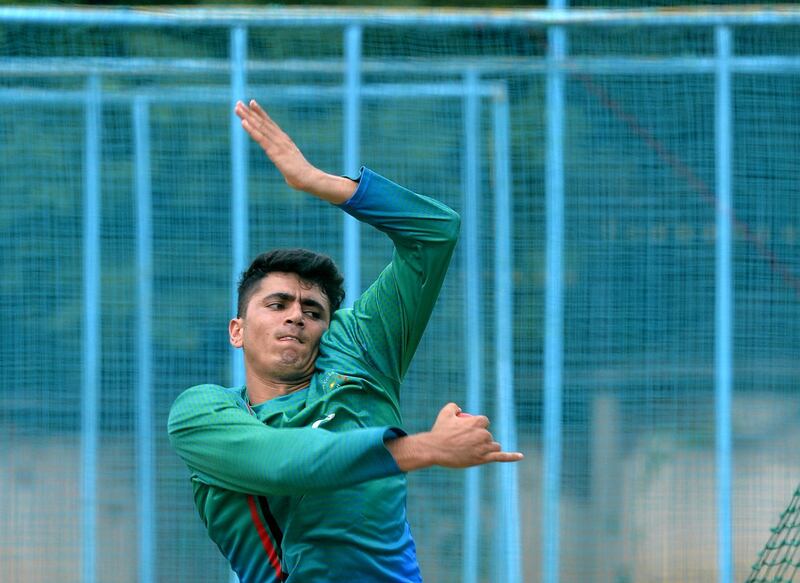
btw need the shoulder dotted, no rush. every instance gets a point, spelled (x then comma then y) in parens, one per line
(206, 396)
(209, 391)
(340, 340)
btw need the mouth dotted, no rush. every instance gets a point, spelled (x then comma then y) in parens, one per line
(289, 338)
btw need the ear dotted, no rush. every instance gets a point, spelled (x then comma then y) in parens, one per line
(235, 332)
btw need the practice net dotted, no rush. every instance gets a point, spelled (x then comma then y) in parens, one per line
(779, 560)
(128, 202)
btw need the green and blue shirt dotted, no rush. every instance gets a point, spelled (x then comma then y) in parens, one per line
(301, 487)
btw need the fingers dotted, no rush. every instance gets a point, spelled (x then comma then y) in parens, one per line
(478, 420)
(254, 119)
(241, 110)
(254, 122)
(481, 421)
(494, 453)
(277, 145)
(451, 410)
(255, 114)
(467, 439)
(256, 108)
(251, 123)
(505, 456)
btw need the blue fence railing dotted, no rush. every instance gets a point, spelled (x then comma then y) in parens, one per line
(594, 157)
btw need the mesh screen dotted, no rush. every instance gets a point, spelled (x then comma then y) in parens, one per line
(637, 494)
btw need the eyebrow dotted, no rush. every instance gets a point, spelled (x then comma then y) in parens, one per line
(287, 297)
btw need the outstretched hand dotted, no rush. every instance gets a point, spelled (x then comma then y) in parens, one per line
(277, 145)
(456, 440)
(461, 440)
(298, 172)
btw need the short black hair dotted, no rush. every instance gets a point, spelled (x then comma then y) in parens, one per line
(312, 267)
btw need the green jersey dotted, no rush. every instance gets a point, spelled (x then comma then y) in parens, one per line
(301, 487)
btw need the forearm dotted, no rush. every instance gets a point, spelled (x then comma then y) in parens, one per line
(328, 187)
(456, 440)
(412, 452)
(408, 218)
(390, 316)
(227, 447)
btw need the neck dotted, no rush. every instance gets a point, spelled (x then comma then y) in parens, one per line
(263, 388)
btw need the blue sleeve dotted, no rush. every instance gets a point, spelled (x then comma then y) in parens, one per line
(386, 323)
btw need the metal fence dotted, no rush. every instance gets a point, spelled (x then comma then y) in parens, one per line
(576, 144)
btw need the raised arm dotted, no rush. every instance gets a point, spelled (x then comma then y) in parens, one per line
(289, 160)
(227, 447)
(388, 320)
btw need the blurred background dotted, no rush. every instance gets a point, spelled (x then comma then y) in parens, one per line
(623, 301)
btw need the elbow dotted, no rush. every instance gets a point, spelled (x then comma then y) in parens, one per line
(175, 424)
(450, 227)
(183, 412)
(173, 419)
(441, 231)
(177, 412)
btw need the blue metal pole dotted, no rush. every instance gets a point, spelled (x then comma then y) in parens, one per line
(554, 341)
(352, 154)
(239, 176)
(724, 304)
(240, 226)
(474, 329)
(144, 278)
(91, 328)
(419, 18)
(507, 481)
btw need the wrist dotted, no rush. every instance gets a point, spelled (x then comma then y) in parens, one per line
(412, 452)
(328, 187)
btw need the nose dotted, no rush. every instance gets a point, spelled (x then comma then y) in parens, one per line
(294, 315)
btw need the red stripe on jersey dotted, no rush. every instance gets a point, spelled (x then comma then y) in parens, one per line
(266, 542)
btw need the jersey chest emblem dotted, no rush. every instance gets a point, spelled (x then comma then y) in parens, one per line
(333, 380)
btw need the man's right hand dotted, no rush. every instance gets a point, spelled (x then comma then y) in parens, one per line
(456, 440)
(298, 172)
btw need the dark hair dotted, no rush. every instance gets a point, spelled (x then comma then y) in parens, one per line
(309, 266)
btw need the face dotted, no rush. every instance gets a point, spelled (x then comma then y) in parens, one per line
(281, 327)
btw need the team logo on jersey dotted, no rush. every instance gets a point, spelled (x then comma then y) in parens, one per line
(325, 419)
(333, 380)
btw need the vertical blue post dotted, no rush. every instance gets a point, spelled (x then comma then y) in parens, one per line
(239, 166)
(554, 341)
(144, 278)
(506, 433)
(473, 311)
(724, 304)
(239, 198)
(91, 328)
(352, 154)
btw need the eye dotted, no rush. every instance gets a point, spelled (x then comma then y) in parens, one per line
(275, 306)
(312, 314)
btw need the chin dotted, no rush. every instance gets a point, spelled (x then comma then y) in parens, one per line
(293, 367)
(291, 359)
